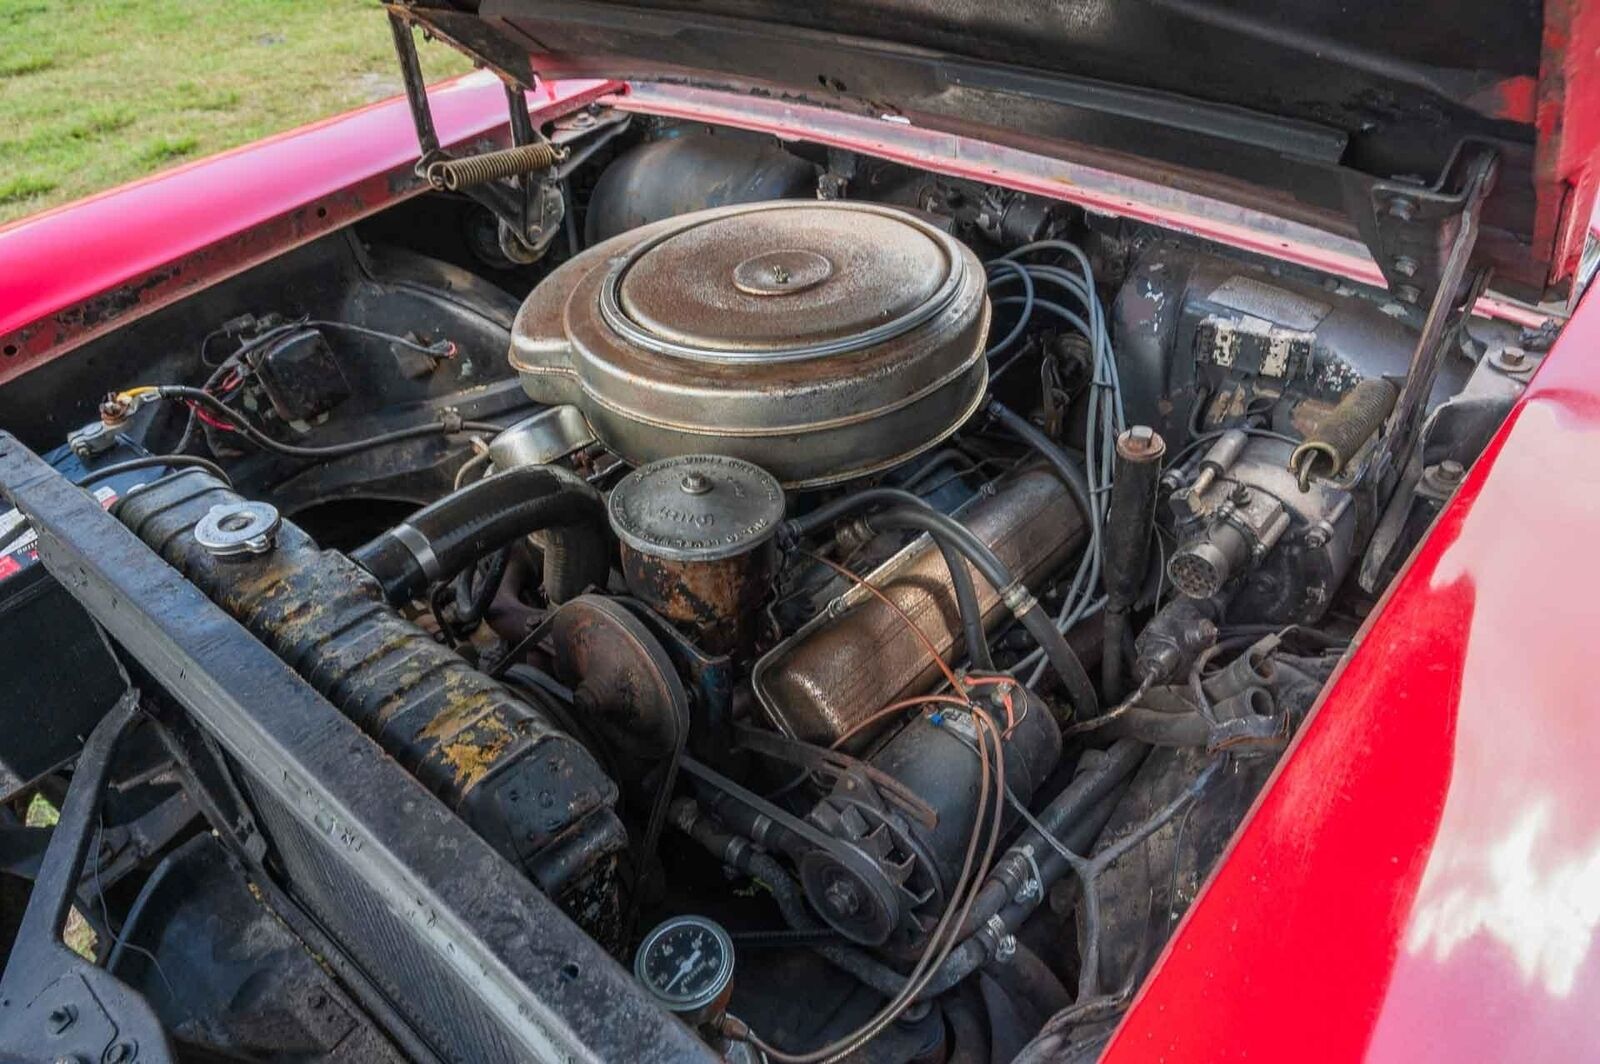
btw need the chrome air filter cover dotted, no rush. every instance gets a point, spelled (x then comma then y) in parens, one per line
(821, 341)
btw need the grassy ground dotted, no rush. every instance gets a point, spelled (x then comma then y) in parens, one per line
(97, 92)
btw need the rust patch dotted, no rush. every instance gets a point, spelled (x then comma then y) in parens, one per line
(472, 758)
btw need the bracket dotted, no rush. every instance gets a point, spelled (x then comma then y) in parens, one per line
(532, 206)
(1412, 229)
(529, 216)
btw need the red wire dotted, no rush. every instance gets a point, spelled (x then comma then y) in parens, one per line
(209, 419)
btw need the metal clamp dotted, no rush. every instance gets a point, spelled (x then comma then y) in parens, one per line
(1005, 943)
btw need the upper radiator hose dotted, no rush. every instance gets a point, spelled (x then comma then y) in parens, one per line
(443, 538)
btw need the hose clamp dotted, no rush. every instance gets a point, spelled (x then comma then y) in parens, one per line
(1005, 943)
(1033, 886)
(1018, 599)
(420, 549)
(735, 849)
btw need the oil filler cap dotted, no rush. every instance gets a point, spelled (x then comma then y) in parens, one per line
(696, 508)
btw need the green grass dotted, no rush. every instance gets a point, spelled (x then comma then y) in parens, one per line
(94, 93)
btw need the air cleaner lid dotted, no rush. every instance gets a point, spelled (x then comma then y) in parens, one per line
(782, 281)
(697, 507)
(821, 341)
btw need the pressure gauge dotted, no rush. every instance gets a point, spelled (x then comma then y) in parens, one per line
(687, 964)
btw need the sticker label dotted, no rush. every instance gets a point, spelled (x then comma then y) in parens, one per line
(1278, 305)
(23, 552)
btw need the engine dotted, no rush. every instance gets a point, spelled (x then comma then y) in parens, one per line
(910, 602)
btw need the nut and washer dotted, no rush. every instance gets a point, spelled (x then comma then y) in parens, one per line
(1510, 360)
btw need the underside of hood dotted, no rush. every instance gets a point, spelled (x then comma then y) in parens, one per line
(1312, 111)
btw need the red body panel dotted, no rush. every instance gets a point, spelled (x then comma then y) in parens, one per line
(1421, 881)
(73, 273)
(1567, 118)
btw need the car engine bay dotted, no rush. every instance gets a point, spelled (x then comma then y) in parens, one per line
(864, 602)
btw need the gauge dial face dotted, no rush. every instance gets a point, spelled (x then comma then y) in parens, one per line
(686, 962)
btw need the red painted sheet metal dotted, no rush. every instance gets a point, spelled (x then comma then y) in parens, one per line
(1567, 117)
(1421, 881)
(75, 272)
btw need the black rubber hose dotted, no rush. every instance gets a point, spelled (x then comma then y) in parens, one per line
(1068, 816)
(1071, 475)
(1080, 689)
(472, 597)
(1117, 763)
(908, 511)
(150, 461)
(1025, 975)
(1076, 481)
(977, 639)
(847, 505)
(443, 538)
(1158, 728)
(740, 853)
(954, 559)
(971, 1041)
(576, 558)
(1113, 632)
(967, 610)
(337, 450)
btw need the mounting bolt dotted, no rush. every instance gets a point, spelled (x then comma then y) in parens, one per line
(61, 1018)
(120, 1053)
(1407, 293)
(1402, 208)
(842, 898)
(1405, 266)
(695, 484)
(1451, 471)
(1510, 359)
(1316, 537)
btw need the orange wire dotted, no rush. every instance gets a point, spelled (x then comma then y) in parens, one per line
(927, 643)
(896, 707)
(956, 683)
(1012, 720)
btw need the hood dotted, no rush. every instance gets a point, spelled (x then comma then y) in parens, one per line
(1301, 108)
